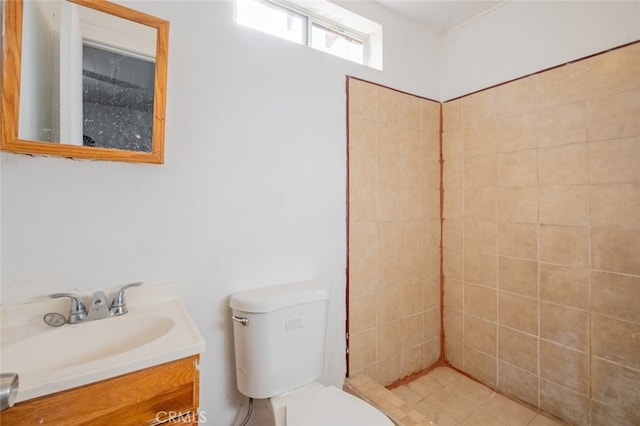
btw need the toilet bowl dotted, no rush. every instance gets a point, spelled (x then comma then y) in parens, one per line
(279, 340)
(318, 405)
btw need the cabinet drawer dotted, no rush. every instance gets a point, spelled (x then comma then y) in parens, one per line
(134, 399)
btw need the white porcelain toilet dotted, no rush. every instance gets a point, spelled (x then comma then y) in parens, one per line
(279, 337)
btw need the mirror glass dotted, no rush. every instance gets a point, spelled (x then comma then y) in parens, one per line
(92, 77)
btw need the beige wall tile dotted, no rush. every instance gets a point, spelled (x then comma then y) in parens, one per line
(363, 205)
(363, 99)
(453, 294)
(615, 340)
(363, 277)
(412, 331)
(480, 301)
(518, 349)
(562, 403)
(431, 352)
(516, 97)
(363, 240)
(480, 268)
(432, 323)
(518, 240)
(453, 324)
(518, 204)
(564, 165)
(479, 138)
(479, 106)
(452, 173)
(480, 334)
(412, 300)
(410, 112)
(412, 203)
(480, 235)
(614, 71)
(564, 245)
(518, 168)
(362, 349)
(389, 339)
(615, 385)
(615, 205)
(565, 326)
(614, 161)
(431, 264)
(452, 114)
(452, 144)
(388, 205)
(562, 125)
(431, 233)
(412, 143)
(518, 312)
(430, 116)
(389, 238)
(480, 366)
(387, 136)
(363, 170)
(411, 360)
(431, 294)
(432, 174)
(518, 276)
(411, 235)
(362, 134)
(564, 205)
(388, 104)
(517, 132)
(453, 234)
(389, 308)
(602, 415)
(452, 203)
(564, 285)
(412, 267)
(389, 369)
(562, 85)
(480, 171)
(388, 272)
(431, 204)
(362, 313)
(481, 203)
(616, 250)
(616, 295)
(452, 264)
(518, 383)
(454, 351)
(564, 366)
(614, 116)
(431, 143)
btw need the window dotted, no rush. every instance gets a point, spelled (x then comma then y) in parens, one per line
(320, 25)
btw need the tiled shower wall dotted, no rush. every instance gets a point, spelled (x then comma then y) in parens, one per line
(394, 232)
(542, 238)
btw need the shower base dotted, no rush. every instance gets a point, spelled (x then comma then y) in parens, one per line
(445, 397)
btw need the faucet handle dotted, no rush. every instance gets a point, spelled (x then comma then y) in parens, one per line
(77, 311)
(118, 305)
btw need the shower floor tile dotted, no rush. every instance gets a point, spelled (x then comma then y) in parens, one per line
(448, 398)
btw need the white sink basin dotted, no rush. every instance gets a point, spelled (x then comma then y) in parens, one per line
(157, 329)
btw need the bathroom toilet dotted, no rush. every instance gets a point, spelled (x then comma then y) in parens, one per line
(279, 339)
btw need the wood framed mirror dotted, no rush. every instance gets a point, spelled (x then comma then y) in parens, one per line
(83, 79)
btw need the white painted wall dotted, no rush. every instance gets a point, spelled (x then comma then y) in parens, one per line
(253, 191)
(523, 37)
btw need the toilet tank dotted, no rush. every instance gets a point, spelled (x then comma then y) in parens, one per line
(279, 336)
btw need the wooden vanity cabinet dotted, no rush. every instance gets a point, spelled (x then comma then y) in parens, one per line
(162, 394)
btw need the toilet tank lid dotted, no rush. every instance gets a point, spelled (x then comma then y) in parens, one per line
(272, 298)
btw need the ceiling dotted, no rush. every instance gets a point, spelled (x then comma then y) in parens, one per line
(439, 14)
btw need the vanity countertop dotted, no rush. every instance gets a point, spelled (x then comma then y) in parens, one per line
(157, 329)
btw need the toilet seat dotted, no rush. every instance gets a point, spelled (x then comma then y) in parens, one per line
(334, 407)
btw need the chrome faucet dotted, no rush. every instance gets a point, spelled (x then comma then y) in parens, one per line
(98, 308)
